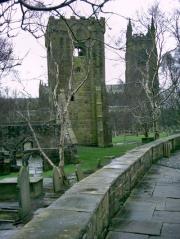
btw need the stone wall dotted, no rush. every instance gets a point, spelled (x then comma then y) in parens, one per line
(12, 136)
(38, 108)
(84, 211)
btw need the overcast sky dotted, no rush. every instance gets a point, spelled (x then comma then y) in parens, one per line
(34, 66)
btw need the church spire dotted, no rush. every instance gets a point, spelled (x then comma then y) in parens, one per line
(152, 26)
(129, 30)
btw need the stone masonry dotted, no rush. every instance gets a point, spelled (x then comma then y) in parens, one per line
(77, 46)
(85, 210)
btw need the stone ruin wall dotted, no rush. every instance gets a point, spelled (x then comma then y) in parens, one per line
(88, 108)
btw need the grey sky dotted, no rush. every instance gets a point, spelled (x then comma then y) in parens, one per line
(34, 66)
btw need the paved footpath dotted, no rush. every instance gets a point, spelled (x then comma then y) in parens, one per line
(153, 209)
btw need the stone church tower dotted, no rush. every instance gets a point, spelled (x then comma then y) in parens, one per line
(141, 67)
(76, 46)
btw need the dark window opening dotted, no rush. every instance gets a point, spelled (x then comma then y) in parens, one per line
(78, 51)
(72, 98)
(78, 69)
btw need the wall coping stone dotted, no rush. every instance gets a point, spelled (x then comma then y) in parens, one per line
(84, 210)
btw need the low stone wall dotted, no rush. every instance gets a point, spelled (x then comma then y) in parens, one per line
(84, 211)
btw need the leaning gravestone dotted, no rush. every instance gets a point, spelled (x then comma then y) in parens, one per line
(79, 173)
(57, 180)
(24, 194)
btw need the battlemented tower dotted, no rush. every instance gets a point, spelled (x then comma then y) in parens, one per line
(141, 73)
(141, 62)
(76, 47)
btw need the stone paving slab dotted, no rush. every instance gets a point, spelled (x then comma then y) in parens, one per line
(143, 191)
(171, 230)
(135, 214)
(173, 162)
(172, 204)
(144, 203)
(139, 214)
(164, 237)
(166, 216)
(168, 191)
(136, 204)
(124, 235)
(153, 209)
(140, 227)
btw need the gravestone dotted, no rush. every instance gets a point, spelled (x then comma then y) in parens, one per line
(79, 173)
(24, 194)
(28, 144)
(35, 164)
(99, 164)
(57, 180)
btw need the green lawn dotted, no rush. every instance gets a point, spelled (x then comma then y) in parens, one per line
(133, 138)
(8, 175)
(90, 156)
(127, 139)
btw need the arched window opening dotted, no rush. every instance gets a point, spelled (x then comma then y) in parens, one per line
(78, 51)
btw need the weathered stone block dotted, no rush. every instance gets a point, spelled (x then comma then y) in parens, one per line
(167, 149)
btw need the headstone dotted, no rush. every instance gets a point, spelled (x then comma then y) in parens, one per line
(99, 164)
(24, 194)
(35, 164)
(79, 173)
(28, 145)
(57, 180)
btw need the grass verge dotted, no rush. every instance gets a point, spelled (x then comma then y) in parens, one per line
(90, 156)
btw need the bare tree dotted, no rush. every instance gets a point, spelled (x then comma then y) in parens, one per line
(147, 110)
(61, 102)
(32, 15)
(7, 59)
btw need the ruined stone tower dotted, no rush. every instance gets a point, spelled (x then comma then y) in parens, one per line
(76, 47)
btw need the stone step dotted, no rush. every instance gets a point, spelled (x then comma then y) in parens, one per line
(52, 195)
(8, 214)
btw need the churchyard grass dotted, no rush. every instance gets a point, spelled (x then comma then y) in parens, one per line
(10, 175)
(90, 156)
(132, 138)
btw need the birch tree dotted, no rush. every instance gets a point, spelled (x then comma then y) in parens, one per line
(148, 110)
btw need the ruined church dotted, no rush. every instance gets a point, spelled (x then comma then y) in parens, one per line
(76, 48)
